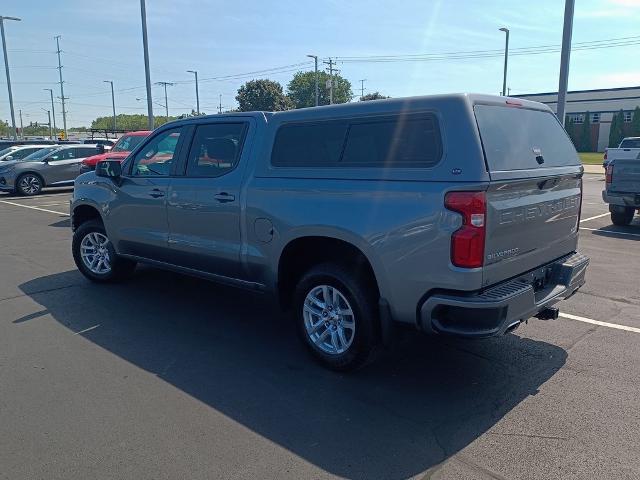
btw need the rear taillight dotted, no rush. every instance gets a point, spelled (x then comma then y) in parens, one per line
(467, 243)
(609, 174)
(605, 155)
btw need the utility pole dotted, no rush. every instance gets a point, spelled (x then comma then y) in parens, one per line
(220, 106)
(147, 73)
(50, 129)
(62, 97)
(53, 110)
(6, 68)
(331, 70)
(565, 56)
(166, 103)
(506, 59)
(315, 58)
(197, 94)
(113, 104)
(362, 87)
(21, 127)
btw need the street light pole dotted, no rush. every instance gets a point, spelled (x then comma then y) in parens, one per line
(565, 56)
(315, 58)
(113, 104)
(197, 94)
(53, 110)
(50, 129)
(147, 74)
(6, 68)
(506, 59)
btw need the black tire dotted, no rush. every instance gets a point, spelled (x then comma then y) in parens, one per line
(622, 218)
(363, 301)
(121, 268)
(35, 184)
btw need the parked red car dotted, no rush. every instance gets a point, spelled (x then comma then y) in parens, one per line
(120, 150)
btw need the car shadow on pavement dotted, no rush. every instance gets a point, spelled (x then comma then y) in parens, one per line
(416, 407)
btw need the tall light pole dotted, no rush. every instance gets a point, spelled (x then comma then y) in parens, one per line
(565, 56)
(147, 74)
(197, 94)
(315, 58)
(506, 59)
(113, 104)
(62, 97)
(53, 110)
(166, 103)
(50, 129)
(6, 68)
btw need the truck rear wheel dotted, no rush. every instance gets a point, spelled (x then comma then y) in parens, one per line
(336, 316)
(622, 218)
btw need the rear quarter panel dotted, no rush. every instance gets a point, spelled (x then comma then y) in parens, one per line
(396, 217)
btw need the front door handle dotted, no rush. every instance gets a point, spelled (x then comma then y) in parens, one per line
(224, 197)
(156, 193)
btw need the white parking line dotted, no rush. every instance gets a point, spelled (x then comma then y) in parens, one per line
(599, 323)
(610, 231)
(86, 329)
(594, 217)
(34, 208)
(36, 197)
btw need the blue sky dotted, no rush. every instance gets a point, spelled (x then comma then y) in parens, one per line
(102, 41)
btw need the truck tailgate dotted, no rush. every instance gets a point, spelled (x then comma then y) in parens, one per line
(626, 176)
(533, 200)
(529, 223)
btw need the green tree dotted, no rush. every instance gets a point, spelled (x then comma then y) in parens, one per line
(373, 96)
(128, 122)
(585, 135)
(265, 95)
(302, 89)
(616, 133)
(635, 123)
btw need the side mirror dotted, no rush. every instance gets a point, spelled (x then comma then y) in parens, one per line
(8, 157)
(109, 168)
(100, 149)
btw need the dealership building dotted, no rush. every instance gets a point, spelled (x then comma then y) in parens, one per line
(600, 104)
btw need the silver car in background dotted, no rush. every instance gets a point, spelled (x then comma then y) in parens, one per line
(18, 152)
(54, 166)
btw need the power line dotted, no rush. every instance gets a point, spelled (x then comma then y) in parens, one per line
(475, 54)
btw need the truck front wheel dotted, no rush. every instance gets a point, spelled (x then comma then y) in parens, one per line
(337, 317)
(623, 217)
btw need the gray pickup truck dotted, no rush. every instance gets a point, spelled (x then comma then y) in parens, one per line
(454, 214)
(622, 189)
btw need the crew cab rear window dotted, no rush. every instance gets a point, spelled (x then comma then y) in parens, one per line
(518, 139)
(630, 143)
(409, 141)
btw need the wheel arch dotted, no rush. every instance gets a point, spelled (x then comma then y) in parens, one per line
(309, 246)
(82, 213)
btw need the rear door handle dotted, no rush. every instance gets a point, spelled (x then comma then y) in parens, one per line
(156, 193)
(224, 197)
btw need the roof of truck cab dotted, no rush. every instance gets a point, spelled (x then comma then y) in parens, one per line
(390, 105)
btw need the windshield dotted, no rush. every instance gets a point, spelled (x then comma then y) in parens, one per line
(6, 151)
(40, 154)
(630, 143)
(128, 143)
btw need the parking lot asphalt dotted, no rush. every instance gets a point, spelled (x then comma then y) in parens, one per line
(167, 377)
